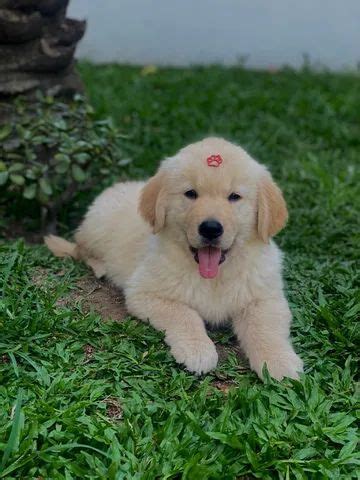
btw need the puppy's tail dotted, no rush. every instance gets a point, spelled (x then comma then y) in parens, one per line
(61, 247)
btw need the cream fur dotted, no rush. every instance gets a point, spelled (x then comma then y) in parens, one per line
(159, 274)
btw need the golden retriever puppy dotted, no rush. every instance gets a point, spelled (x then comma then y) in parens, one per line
(193, 244)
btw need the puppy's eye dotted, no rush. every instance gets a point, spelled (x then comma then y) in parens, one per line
(191, 194)
(234, 197)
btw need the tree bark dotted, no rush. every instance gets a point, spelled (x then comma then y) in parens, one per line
(37, 46)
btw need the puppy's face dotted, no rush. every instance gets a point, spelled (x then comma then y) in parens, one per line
(211, 197)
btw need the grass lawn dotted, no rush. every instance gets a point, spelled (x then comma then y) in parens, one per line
(85, 398)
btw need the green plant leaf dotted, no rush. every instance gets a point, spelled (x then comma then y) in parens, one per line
(61, 167)
(4, 177)
(17, 179)
(30, 174)
(45, 186)
(81, 144)
(16, 167)
(13, 155)
(82, 158)
(124, 162)
(62, 157)
(60, 124)
(78, 173)
(5, 132)
(15, 431)
(30, 191)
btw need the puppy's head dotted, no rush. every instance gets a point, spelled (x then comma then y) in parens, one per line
(212, 197)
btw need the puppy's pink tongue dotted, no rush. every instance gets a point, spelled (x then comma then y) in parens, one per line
(209, 259)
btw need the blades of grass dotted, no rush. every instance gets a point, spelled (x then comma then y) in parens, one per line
(15, 430)
(14, 363)
(7, 270)
(30, 361)
(66, 446)
(18, 463)
(41, 371)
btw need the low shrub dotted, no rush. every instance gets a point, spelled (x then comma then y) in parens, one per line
(51, 150)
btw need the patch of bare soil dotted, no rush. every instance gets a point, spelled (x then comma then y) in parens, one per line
(113, 408)
(234, 347)
(99, 296)
(224, 387)
(4, 358)
(89, 351)
(93, 294)
(222, 382)
(40, 277)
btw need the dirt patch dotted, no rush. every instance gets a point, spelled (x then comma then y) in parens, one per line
(233, 347)
(99, 296)
(224, 387)
(4, 358)
(113, 408)
(40, 277)
(93, 294)
(89, 351)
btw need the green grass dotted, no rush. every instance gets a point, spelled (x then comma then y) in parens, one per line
(126, 410)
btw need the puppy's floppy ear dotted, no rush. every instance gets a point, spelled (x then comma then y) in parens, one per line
(152, 202)
(272, 211)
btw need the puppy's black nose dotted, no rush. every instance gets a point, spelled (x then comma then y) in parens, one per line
(211, 229)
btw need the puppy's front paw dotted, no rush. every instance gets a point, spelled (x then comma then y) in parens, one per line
(198, 355)
(285, 363)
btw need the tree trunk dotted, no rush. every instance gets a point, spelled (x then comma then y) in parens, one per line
(37, 46)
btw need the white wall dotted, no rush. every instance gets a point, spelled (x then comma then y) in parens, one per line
(182, 32)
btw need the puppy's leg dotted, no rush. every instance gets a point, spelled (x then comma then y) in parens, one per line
(98, 267)
(185, 332)
(263, 332)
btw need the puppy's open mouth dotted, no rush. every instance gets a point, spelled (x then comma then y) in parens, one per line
(209, 258)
